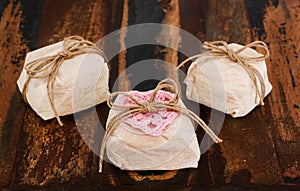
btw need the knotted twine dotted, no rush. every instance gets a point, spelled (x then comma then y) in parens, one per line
(151, 106)
(221, 49)
(48, 67)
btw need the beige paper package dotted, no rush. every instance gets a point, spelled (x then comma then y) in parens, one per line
(64, 78)
(230, 78)
(131, 149)
(151, 130)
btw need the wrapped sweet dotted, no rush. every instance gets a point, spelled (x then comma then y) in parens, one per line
(151, 130)
(64, 78)
(229, 77)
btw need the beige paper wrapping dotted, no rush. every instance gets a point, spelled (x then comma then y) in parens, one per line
(131, 149)
(222, 84)
(81, 82)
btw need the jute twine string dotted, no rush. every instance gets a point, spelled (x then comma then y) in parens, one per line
(47, 67)
(221, 49)
(151, 106)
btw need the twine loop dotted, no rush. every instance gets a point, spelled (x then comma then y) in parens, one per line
(65, 54)
(232, 55)
(47, 67)
(151, 106)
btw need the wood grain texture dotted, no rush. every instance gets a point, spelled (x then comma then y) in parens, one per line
(135, 12)
(48, 153)
(123, 82)
(245, 139)
(13, 48)
(278, 27)
(171, 39)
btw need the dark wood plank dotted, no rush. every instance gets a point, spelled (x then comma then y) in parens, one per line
(248, 146)
(47, 153)
(14, 38)
(210, 168)
(277, 24)
(135, 12)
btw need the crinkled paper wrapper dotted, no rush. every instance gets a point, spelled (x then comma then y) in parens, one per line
(176, 148)
(222, 84)
(81, 82)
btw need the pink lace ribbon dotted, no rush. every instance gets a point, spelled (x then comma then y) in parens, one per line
(153, 123)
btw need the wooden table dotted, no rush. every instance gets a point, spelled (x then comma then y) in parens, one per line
(260, 151)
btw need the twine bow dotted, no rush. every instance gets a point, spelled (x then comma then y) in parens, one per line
(151, 106)
(47, 67)
(221, 49)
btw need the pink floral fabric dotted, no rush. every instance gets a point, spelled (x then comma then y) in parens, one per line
(150, 123)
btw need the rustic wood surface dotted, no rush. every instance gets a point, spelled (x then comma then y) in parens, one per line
(260, 151)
